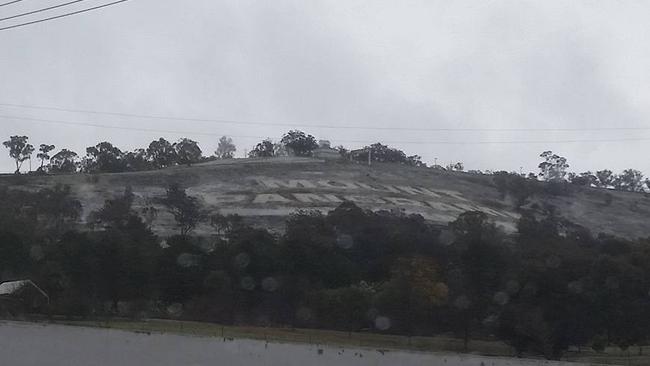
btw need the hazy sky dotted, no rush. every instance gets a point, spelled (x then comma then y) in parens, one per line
(411, 64)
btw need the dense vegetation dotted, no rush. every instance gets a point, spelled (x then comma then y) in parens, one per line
(550, 286)
(160, 154)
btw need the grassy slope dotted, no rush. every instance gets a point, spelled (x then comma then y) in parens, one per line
(626, 215)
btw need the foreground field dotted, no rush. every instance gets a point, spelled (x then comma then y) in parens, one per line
(58, 345)
(325, 338)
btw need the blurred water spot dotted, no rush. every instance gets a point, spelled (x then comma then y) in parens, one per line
(530, 289)
(575, 287)
(382, 323)
(501, 298)
(512, 287)
(175, 309)
(242, 260)
(186, 260)
(345, 241)
(553, 261)
(611, 283)
(248, 283)
(270, 284)
(36, 252)
(455, 278)
(372, 314)
(490, 320)
(263, 320)
(446, 237)
(304, 314)
(462, 302)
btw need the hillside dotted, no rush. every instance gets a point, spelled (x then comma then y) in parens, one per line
(264, 191)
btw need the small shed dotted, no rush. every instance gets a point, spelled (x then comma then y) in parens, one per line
(22, 296)
(326, 154)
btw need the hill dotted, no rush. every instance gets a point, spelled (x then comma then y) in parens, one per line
(265, 191)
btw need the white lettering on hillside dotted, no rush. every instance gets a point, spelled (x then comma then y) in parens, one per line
(431, 203)
(292, 183)
(267, 198)
(337, 184)
(313, 197)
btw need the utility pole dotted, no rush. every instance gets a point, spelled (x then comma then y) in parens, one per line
(369, 155)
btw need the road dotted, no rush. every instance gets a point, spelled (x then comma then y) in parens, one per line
(27, 344)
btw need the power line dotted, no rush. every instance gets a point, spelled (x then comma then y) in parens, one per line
(328, 126)
(432, 142)
(41, 10)
(63, 15)
(11, 2)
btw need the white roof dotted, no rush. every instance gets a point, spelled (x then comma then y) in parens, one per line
(10, 287)
(7, 288)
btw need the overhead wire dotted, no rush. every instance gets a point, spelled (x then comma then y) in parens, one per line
(10, 2)
(41, 10)
(429, 142)
(325, 126)
(63, 15)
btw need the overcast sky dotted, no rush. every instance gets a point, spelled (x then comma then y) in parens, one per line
(411, 64)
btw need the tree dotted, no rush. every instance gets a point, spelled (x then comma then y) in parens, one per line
(186, 209)
(44, 154)
(14, 254)
(188, 151)
(479, 267)
(64, 161)
(136, 160)
(415, 160)
(19, 150)
(116, 212)
(162, 153)
(280, 150)
(125, 252)
(413, 292)
(553, 168)
(226, 148)
(386, 154)
(583, 179)
(104, 158)
(300, 143)
(630, 180)
(513, 184)
(605, 178)
(263, 149)
(459, 167)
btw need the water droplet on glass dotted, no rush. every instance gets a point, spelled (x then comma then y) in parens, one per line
(372, 314)
(270, 284)
(611, 283)
(345, 241)
(304, 314)
(382, 323)
(501, 298)
(36, 252)
(575, 287)
(446, 237)
(490, 320)
(530, 289)
(186, 260)
(553, 261)
(248, 283)
(242, 260)
(512, 287)
(462, 302)
(175, 309)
